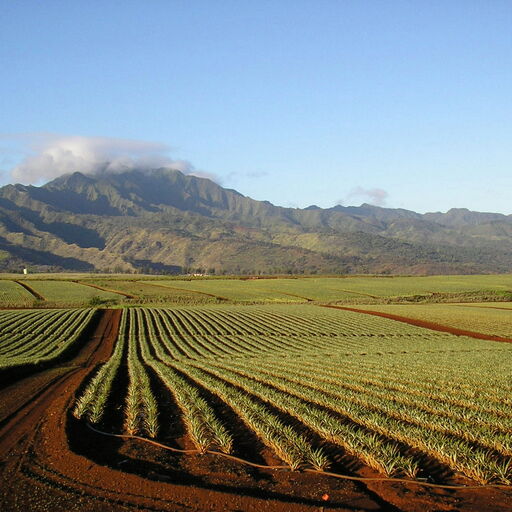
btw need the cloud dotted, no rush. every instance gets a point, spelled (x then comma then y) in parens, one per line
(204, 174)
(375, 196)
(47, 156)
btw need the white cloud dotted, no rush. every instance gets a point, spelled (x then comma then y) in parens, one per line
(203, 174)
(48, 156)
(375, 196)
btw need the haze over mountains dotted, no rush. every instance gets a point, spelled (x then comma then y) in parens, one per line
(165, 221)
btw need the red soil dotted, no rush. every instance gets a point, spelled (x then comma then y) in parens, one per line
(40, 469)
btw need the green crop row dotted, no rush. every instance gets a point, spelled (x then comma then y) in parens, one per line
(91, 405)
(35, 337)
(394, 396)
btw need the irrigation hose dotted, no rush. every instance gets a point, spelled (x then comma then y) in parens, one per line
(187, 452)
(326, 473)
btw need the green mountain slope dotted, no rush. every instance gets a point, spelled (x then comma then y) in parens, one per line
(165, 221)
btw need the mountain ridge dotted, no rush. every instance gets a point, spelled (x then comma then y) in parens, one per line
(164, 220)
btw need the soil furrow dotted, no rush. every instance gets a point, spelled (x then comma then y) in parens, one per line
(426, 325)
(30, 290)
(103, 289)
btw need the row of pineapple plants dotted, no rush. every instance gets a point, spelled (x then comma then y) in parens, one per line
(43, 338)
(391, 421)
(92, 403)
(368, 446)
(411, 391)
(52, 339)
(18, 335)
(481, 463)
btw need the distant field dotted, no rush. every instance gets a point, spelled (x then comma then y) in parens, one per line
(136, 289)
(147, 292)
(350, 289)
(500, 305)
(341, 288)
(233, 290)
(12, 295)
(67, 293)
(497, 322)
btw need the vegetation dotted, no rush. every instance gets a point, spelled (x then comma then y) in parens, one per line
(401, 399)
(149, 292)
(141, 408)
(78, 290)
(167, 223)
(12, 294)
(70, 294)
(351, 289)
(92, 403)
(37, 337)
(494, 320)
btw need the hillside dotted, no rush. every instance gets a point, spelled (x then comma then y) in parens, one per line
(165, 221)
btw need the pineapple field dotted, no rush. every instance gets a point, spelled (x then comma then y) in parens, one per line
(257, 400)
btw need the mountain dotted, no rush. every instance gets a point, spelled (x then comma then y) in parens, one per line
(168, 222)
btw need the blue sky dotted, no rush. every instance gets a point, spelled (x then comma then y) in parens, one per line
(401, 103)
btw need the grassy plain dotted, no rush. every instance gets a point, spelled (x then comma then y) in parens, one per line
(148, 292)
(67, 293)
(235, 290)
(500, 305)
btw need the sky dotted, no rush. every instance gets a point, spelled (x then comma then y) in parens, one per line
(403, 104)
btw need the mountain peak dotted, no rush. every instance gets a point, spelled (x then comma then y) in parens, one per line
(164, 219)
(70, 180)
